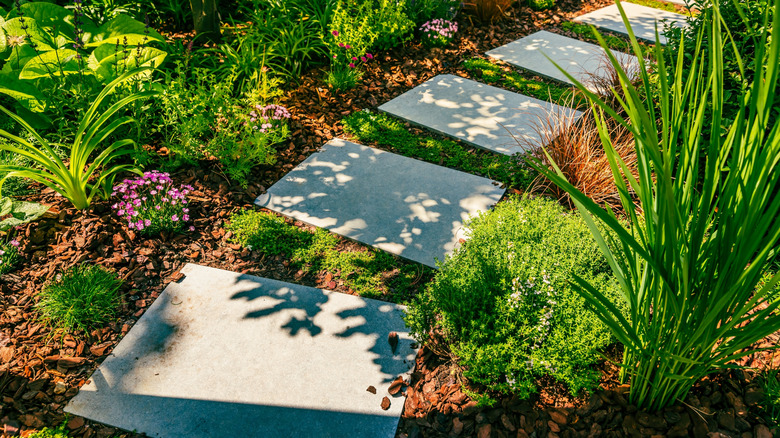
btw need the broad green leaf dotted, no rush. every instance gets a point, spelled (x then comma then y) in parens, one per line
(124, 30)
(22, 212)
(34, 33)
(25, 93)
(3, 40)
(117, 63)
(60, 62)
(6, 205)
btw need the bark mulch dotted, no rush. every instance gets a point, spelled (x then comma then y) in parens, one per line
(40, 370)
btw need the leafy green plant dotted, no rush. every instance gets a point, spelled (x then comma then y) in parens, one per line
(345, 71)
(492, 73)
(201, 119)
(58, 60)
(151, 203)
(388, 132)
(745, 22)
(368, 272)
(58, 432)
(689, 265)
(372, 25)
(541, 4)
(770, 383)
(84, 297)
(84, 176)
(504, 305)
(420, 11)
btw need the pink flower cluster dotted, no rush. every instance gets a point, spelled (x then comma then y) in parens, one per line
(262, 117)
(439, 29)
(365, 57)
(151, 203)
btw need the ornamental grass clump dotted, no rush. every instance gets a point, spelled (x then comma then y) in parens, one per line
(151, 204)
(84, 297)
(438, 32)
(688, 266)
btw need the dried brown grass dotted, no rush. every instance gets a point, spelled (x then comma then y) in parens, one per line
(487, 10)
(575, 146)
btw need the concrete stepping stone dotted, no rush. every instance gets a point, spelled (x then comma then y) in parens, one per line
(220, 354)
(642, 18)
(481, 115)
(401, 205)
(580, 59)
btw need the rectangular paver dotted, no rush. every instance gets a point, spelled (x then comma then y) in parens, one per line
(220, 354)
(643, 20)
(404, 206)
(481, 115)
(580, 59)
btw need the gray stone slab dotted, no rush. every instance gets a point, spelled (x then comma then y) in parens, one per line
(404, 206)
(220, 354)
(580, 59)
(642, 18)
(481, 115)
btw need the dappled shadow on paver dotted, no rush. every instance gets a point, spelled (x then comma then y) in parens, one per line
(403, 206)
(248, 346)
(481, 115)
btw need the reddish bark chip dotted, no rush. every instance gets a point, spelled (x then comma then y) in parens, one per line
(385, 403)
(396, 386)
(371, 389)
(392, 339)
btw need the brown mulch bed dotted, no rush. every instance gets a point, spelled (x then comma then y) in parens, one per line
(41, 370)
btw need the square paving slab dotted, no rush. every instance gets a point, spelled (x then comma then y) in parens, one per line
(220, 354)
(642, 18)
(580, 59)
(404, 206)
(481, 115)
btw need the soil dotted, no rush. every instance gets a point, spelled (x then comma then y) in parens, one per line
(40, 370)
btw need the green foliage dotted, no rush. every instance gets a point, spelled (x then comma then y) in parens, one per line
(656, 4)
(586, 32)
(770, 383)
(9, 255)
(15, 213)
(504, 302)
(84, 175)
(492, 73)
(689, 265)
(84, 297)
(59, 432)
(368, 272)
(388, 132)
(14, 187)
(200, 118)
(284, 36)
(539, 5)
(420, 11)
(57, 63)
(373, 24)
(738, 63)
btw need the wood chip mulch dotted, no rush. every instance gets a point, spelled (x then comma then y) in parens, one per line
(41, 370)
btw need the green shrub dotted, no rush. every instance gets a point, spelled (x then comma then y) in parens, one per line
(586, 32)
(420, 11)
(372, 24)
(200, 118)
(369, 272)
(59, 432)
(541, 4)
(84, 297)
(389, 132)
(504, 303)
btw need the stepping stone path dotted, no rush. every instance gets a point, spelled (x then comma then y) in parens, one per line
(221, 354)
(580, 59)
(404, 206)
(642, 18)
(481, 115)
